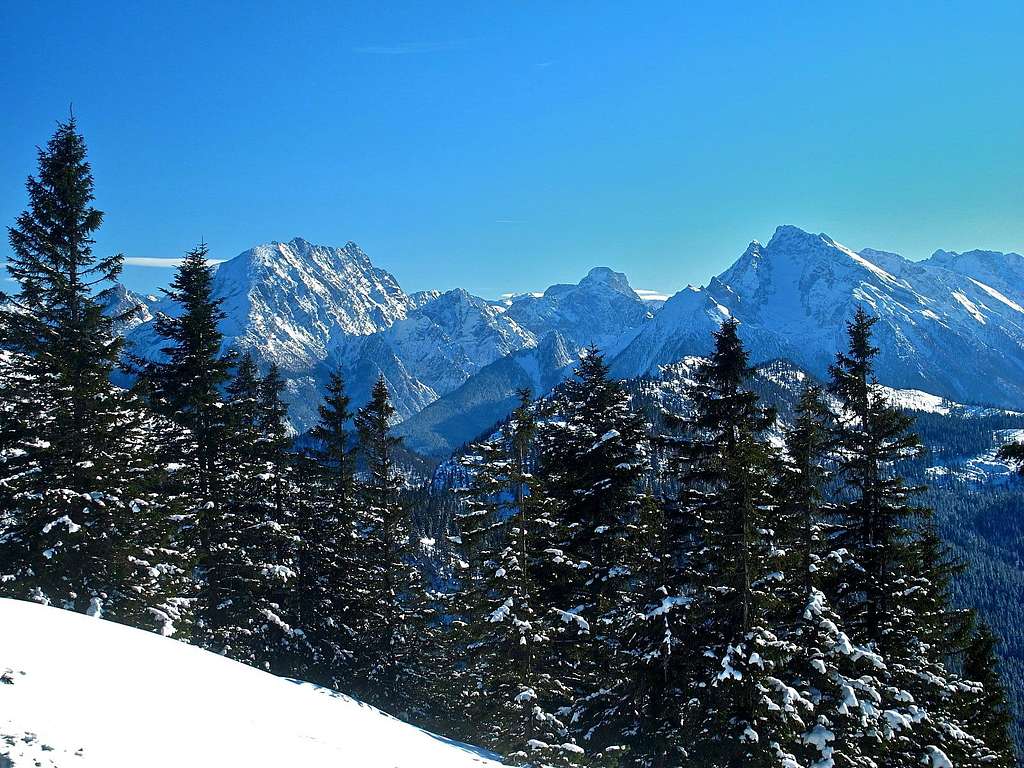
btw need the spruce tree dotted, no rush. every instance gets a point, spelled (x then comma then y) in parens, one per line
(389, 663)
(251, 535)
(893, 591)
(185, 385)
(839, 689)
(872, 437)
(88, 515)
(738, 707)
(1013, 453)
(989, 715)
(499, 632)
(593, 458)
(328, 599)
(804, 473)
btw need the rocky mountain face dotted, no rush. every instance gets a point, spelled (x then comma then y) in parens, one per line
(599, 310)
(292, 304)
(941, 330)
(427, 354)
(128, 309)
(952, 326)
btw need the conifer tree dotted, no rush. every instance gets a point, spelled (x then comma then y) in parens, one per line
(250, 543)
(839, 689)
(328, 599)
(499, 631)
(989, 715)
(872, 436)
(804, 473)
(593, 457)
(1014, 453)
(389, 663)
(738, 707)
(87, 520)
(892, 594)
(185, 385)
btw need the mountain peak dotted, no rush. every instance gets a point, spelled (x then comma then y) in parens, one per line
(617, 281)
(787, 233)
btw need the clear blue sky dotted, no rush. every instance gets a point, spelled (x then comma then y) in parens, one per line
(506, 146)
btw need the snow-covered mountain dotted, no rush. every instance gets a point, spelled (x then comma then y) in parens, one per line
(128, 308)
(311, 309)
(443, 341)
(940, 330)
(292, 304)
(951, 326)
(489, 395)
(600, 310)
(127, 698)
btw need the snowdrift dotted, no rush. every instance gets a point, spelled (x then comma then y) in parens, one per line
(80, 691)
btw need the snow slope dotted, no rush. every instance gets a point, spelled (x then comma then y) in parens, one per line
(90, 693)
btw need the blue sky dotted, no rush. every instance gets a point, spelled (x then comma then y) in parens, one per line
(506, 146)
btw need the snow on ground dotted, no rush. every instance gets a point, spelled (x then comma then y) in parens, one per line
(916, 400)
(85, 692)
(985, 467)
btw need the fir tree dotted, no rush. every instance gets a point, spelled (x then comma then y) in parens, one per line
(839, 690)
(389, 662)
(988, 709)
(87, 521)
(872, 436)
(186, 386)
(804, 473)
(1014, 453)
(329, 601)
(251, 535)
(892, 594)
(593, 457)
(499, 632)
(739, 707)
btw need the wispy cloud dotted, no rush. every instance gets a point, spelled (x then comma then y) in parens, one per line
(543, 64)
(410, 48)
(507, 221)
(648, 294)
(165, 262)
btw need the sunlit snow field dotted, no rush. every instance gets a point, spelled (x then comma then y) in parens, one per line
(81, 691)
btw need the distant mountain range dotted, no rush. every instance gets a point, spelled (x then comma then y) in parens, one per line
(952, 326)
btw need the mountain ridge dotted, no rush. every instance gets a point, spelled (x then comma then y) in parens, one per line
(951, 325)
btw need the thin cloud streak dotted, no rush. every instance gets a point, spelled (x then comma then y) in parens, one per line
(161, 262)
(648, 294)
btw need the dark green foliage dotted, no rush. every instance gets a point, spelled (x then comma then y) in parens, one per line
(396, 622)
(592, 461)
(327, 598)
(86, 510)
(248, 565)
(988, 710)
(735, 567)
(893, 592)
(500, 636)
(185, 386)
(1014, 452)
